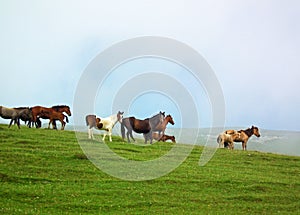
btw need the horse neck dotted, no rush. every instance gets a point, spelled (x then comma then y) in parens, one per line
(156, 120)
(165, 122)
(248, 132)
(114, 119)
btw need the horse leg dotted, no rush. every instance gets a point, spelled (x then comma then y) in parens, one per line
(132, 136)
(63, 124)
(109, 133)
(49, 123)
(151, 138)
(244, 145)
(90, 133)
(18, 122)
(104, 135)
(10, 123)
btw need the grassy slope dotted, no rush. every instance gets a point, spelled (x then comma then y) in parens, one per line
(45, 172)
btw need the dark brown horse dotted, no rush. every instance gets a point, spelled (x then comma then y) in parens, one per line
(230, 136)
(141, 126)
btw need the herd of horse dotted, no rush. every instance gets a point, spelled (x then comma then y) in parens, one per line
(32, 115)
(151, 128)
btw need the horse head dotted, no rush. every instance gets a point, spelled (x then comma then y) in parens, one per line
(170, 119)
(120, 116)
(68, 111)
(162, 116)
(255, 131)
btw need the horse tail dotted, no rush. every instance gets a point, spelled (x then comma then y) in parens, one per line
(219, 139)
(123, 130)
(87, 120)
(67, 119)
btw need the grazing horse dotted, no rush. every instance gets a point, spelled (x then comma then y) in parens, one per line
(161, 127)
(106, 124)
(243, 136)
(141, 126)
(163, 137)
(12, 113)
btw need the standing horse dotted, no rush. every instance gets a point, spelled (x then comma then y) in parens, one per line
(62, 109)
(243, 136)
(106, 124)
(11, 113)
(141, 126)
(52, 116)
(161, 127)
(46, 113)
(25, 115)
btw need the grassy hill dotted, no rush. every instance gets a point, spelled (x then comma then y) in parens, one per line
(45, 172)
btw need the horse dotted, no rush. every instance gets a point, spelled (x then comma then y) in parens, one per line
(62, 109)
(141, 126)
(11, 113)
(46, 113)
(243, 136)
(25, 115)
(163, 137)
(106, 124)
(52, 116)
(161, 127)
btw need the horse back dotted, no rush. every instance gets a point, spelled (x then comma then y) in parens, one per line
(140, 126)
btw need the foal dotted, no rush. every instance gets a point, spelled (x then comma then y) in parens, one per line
(161, 127)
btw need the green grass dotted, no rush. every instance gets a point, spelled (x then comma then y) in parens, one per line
(45, 172)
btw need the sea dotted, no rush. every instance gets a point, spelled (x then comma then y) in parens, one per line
(272, 141)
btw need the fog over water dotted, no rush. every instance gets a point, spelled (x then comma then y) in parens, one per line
(272, 141)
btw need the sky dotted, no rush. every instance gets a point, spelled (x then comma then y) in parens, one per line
(253, 47)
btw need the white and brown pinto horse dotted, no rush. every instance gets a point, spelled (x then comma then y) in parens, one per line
(227, 138)
(106, 124)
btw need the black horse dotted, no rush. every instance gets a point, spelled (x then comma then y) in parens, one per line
(141, 126)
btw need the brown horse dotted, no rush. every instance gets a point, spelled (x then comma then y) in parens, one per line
(243, 136)
(48, 113)
(141, 126)
(163, 137)
(161, 127)
(62, 109)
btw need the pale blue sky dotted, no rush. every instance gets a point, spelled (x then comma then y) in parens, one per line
(253, 47)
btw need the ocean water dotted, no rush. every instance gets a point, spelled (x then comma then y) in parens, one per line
(279, 142)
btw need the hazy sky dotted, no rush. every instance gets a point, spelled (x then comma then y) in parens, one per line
(253, 47)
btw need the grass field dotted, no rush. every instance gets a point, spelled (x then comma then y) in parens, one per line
(45, 172)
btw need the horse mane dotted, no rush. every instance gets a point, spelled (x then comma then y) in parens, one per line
(248, 131)
(59, 106)
(19, 108)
